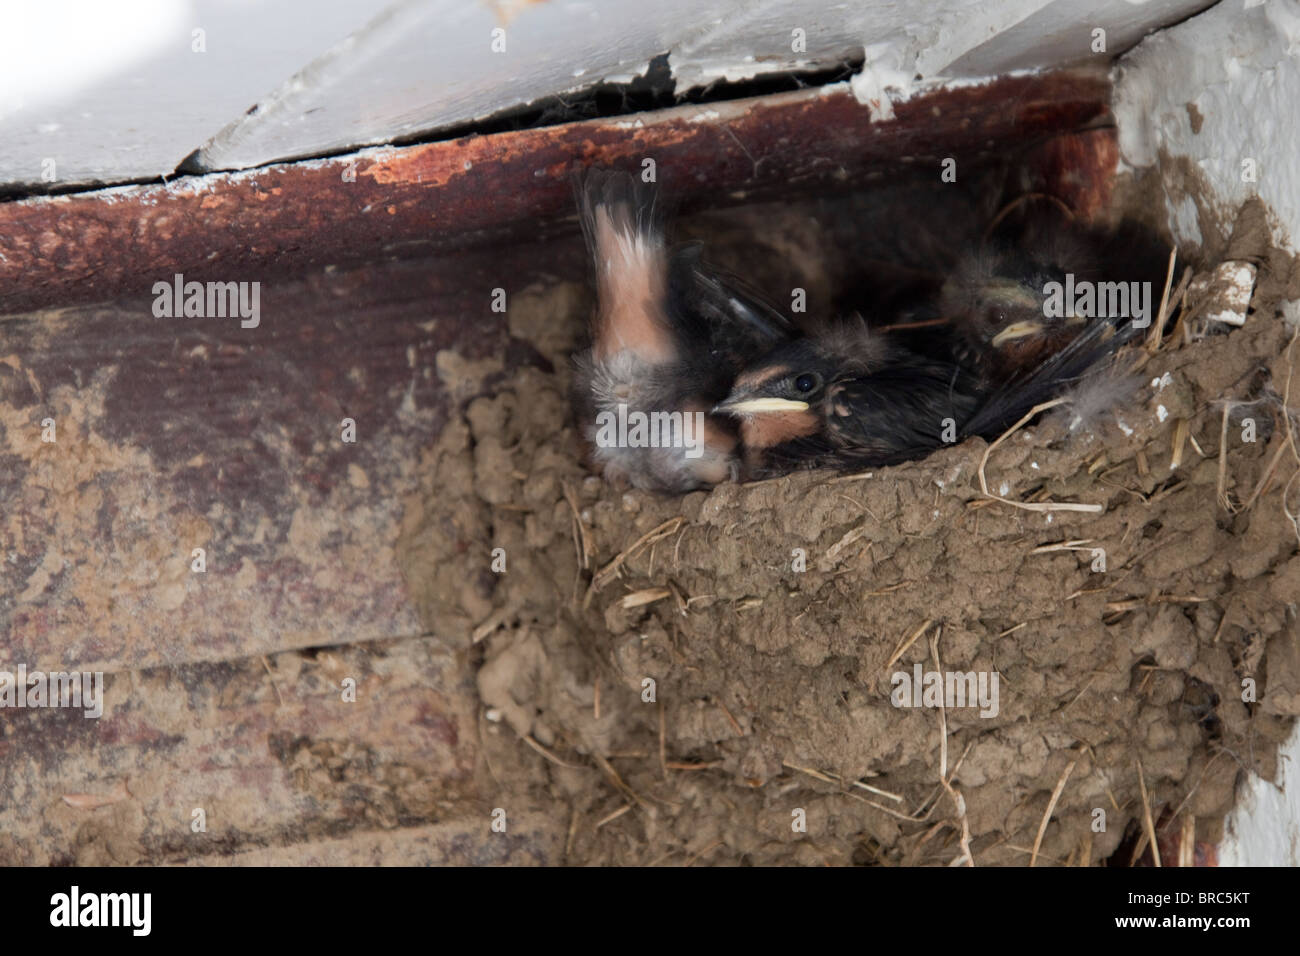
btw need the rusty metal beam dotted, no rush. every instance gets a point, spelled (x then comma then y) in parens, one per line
(410, 201)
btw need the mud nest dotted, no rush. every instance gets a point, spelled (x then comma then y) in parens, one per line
(661, 681)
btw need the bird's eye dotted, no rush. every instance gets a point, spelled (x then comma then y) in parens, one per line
(806, 382)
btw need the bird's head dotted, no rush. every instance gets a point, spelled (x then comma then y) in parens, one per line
(789, 393)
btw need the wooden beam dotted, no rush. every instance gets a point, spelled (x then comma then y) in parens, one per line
(412, 201)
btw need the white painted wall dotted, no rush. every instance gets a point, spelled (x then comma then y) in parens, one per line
(1264, 828)
(113, 91)
(1239, 65)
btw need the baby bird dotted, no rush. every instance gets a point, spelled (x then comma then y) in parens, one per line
(668, 337)
(987, 345)
(1006, 297)
(847, 397)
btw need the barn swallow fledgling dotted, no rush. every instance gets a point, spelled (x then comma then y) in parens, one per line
(996, 299)
(991, 347)
(668, 337)
(844, 397)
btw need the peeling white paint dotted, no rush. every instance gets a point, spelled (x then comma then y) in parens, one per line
(115, 91)
(1264, 828)
(1234, 66)
(328, 77)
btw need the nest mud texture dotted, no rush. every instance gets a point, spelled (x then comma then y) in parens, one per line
(660, 682)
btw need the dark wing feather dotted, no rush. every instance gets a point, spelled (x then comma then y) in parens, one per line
(1011, 400)
(721, 311)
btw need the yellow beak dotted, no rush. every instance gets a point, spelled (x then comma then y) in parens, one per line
(1017, 330)
(752, 406)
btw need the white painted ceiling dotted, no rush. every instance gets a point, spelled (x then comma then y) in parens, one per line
(113, 92)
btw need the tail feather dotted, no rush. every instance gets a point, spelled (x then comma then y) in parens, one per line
(623, 233)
